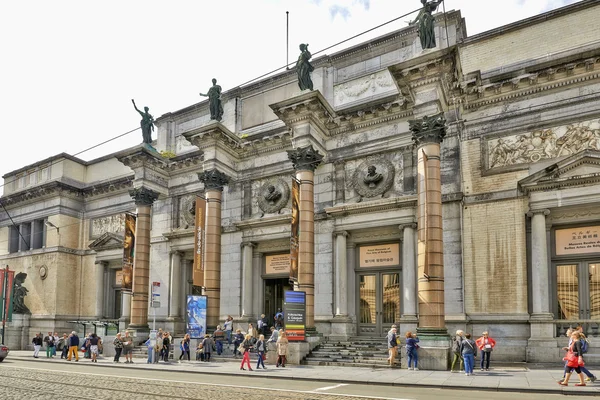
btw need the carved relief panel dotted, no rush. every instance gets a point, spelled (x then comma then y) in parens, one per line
(379, 83)
(186, 217)
(271, 196)
(374, 177)
(102, 225)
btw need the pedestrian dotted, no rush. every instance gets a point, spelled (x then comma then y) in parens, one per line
(56, 339)
(274, 335)
(128, 348)
(118, 343)
(37, 344)
(392, 345)
(95, 343)
(468, 349)
(207, 347)
(61, 345)
(456, 342)
(86, 347)
(279, 319)
(486, 344)
(73, 347)
(184, 346)
(585, 345)
(219, 336)
(166, 347)
(260, 351)
(228, 326)
(262, 324)
(199, 352)
(252, 331)
(246, 346)
(49, 340)
(411, 350)
(158, 346)
(237, 340)
(282, 345)
(574, 359)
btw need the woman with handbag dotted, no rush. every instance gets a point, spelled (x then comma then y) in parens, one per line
(486, 344)
(574, 359)
(246, 346)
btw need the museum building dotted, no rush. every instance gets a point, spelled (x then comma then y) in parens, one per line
(518, 167)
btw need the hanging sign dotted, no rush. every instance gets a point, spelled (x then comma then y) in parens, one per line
(295, 235)
(198, 274)
(128, 252)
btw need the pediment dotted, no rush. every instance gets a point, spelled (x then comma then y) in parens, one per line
(107, 241)
(580, 169)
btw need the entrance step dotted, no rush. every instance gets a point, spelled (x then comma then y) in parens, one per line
(353, 352)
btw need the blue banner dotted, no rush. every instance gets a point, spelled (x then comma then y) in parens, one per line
(196, 316)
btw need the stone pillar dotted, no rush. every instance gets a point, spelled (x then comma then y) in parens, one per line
(247, 280)
(409, 273)
(341, 274)
(125, 310)
(144, 198)
(539, 265)
(175, 310)
(258, 295)
(100, 288)
(305, 161)
(214, 181)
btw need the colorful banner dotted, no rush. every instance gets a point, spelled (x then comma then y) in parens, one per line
(199, 241)
(7, 279)
(295, 235)
(128, 252)
(294, 315)
(195, 325)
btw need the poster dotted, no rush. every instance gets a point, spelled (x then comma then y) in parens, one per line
(128, 252)
(195, 324)
(295, 235)
(294, 315)
(582, 240)
(200, 209)
(277, 264)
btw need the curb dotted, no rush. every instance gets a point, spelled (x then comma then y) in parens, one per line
(560, 390)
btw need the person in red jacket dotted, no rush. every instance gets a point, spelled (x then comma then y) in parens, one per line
(486, 344)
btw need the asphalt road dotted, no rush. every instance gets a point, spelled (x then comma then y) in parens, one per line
(49, 381)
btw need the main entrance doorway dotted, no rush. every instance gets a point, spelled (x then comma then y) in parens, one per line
(577, 290)
(378, 302)
(274, 289)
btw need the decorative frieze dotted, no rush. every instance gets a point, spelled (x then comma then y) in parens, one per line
(273, 195)
(373, 177)
(379, 83)
(109, 224)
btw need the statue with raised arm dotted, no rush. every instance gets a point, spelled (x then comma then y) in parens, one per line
(214, 98)
(147, 123)
(426, 23)
(304, 68)
(20, 292)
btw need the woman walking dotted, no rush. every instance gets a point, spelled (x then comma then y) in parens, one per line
(468, 349)
(456, 342)
(260, 350)
(207, 347)
(247, 345)
(486, 344)
(282, 345)
(95, 342)
(411, 350)
(574, 360)
(184, 346)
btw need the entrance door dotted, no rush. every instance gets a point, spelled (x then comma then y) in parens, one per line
(379, 302)
(578, 290)
(274, 290)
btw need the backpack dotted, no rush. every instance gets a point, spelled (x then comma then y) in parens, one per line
(584, 345)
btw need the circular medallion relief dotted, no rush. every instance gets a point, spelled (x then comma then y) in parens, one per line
(273, 195)
(43, 270)
(187, 210)
(373, 177)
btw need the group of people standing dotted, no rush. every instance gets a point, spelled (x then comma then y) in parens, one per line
(465, 349)
(411, 344)
(68, 345)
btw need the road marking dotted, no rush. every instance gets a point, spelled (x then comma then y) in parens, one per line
(162, 380)
(330, 387)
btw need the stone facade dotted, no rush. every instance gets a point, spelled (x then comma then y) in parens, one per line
(519, 160)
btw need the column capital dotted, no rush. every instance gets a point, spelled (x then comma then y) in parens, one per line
(305, 158)
(248, 244)
(103, 263)
(143, 196)
(410, 225)
(544, 211)
(213, 179)
(342, 233)
(428, 129)
(173, 252)
(351, 245)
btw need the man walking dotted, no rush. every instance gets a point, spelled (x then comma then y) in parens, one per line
(392, 344)
(128, 348)
(49, 340)
(37, 344)
(73, 346)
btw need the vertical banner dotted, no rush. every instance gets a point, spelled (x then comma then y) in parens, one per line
(199, 241)
(195, 325)
(294, 315)
(295, 235)
(128, 252)
(7, 279)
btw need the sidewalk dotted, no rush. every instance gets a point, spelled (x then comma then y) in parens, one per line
(509, 378)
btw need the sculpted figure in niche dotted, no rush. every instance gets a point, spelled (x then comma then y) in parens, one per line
(272, 194)
(373, 177)
(147, 123)
(304, 68)
(214, 98)
(426, 23)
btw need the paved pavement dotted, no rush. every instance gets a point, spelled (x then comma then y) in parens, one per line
(509, 378)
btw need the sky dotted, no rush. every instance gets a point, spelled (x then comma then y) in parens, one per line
(69, 68)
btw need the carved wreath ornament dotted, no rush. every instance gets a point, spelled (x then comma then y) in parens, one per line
(273, 195)
(373, 177)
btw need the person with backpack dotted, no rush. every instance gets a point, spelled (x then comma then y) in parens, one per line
(585, 345)
(456, 342)
(574, 360)
(468, 349)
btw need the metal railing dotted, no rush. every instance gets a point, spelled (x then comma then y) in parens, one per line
(591, 327)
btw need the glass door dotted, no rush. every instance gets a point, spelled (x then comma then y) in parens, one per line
(379, 302)
(578, 290)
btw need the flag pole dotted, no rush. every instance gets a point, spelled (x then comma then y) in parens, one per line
(287, 39)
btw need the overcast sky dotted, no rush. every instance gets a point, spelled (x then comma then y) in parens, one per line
(69, 69)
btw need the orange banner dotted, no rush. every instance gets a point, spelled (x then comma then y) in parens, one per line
(295, 235)
(128, 252)
(199, 241)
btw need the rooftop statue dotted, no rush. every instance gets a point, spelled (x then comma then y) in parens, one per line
(426, 23)
(147, 123)
(214, 97)
(304, 68)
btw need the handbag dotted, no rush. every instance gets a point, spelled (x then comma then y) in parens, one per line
(241, 348)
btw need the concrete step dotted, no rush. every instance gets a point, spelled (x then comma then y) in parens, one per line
(346, 364)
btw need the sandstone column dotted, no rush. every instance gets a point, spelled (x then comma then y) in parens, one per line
(428, 133)
(305, 161)
(125, 310)
(214, 181)
(100, 289)
(175, 311)
(341, 274)
(144, 198)
(540, 266)
(247, 279)
(409, 272)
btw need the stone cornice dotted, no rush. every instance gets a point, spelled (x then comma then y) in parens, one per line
(283, 219)
(310, 106)
(108, 187)
(372, 206)
(185, 162)
(143, 157)
(107, 241)
(45, 190)
(214, 133)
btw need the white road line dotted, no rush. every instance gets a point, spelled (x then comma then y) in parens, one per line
(162, 380)
(330, 387)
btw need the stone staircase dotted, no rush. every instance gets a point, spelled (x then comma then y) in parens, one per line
(355, 352)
